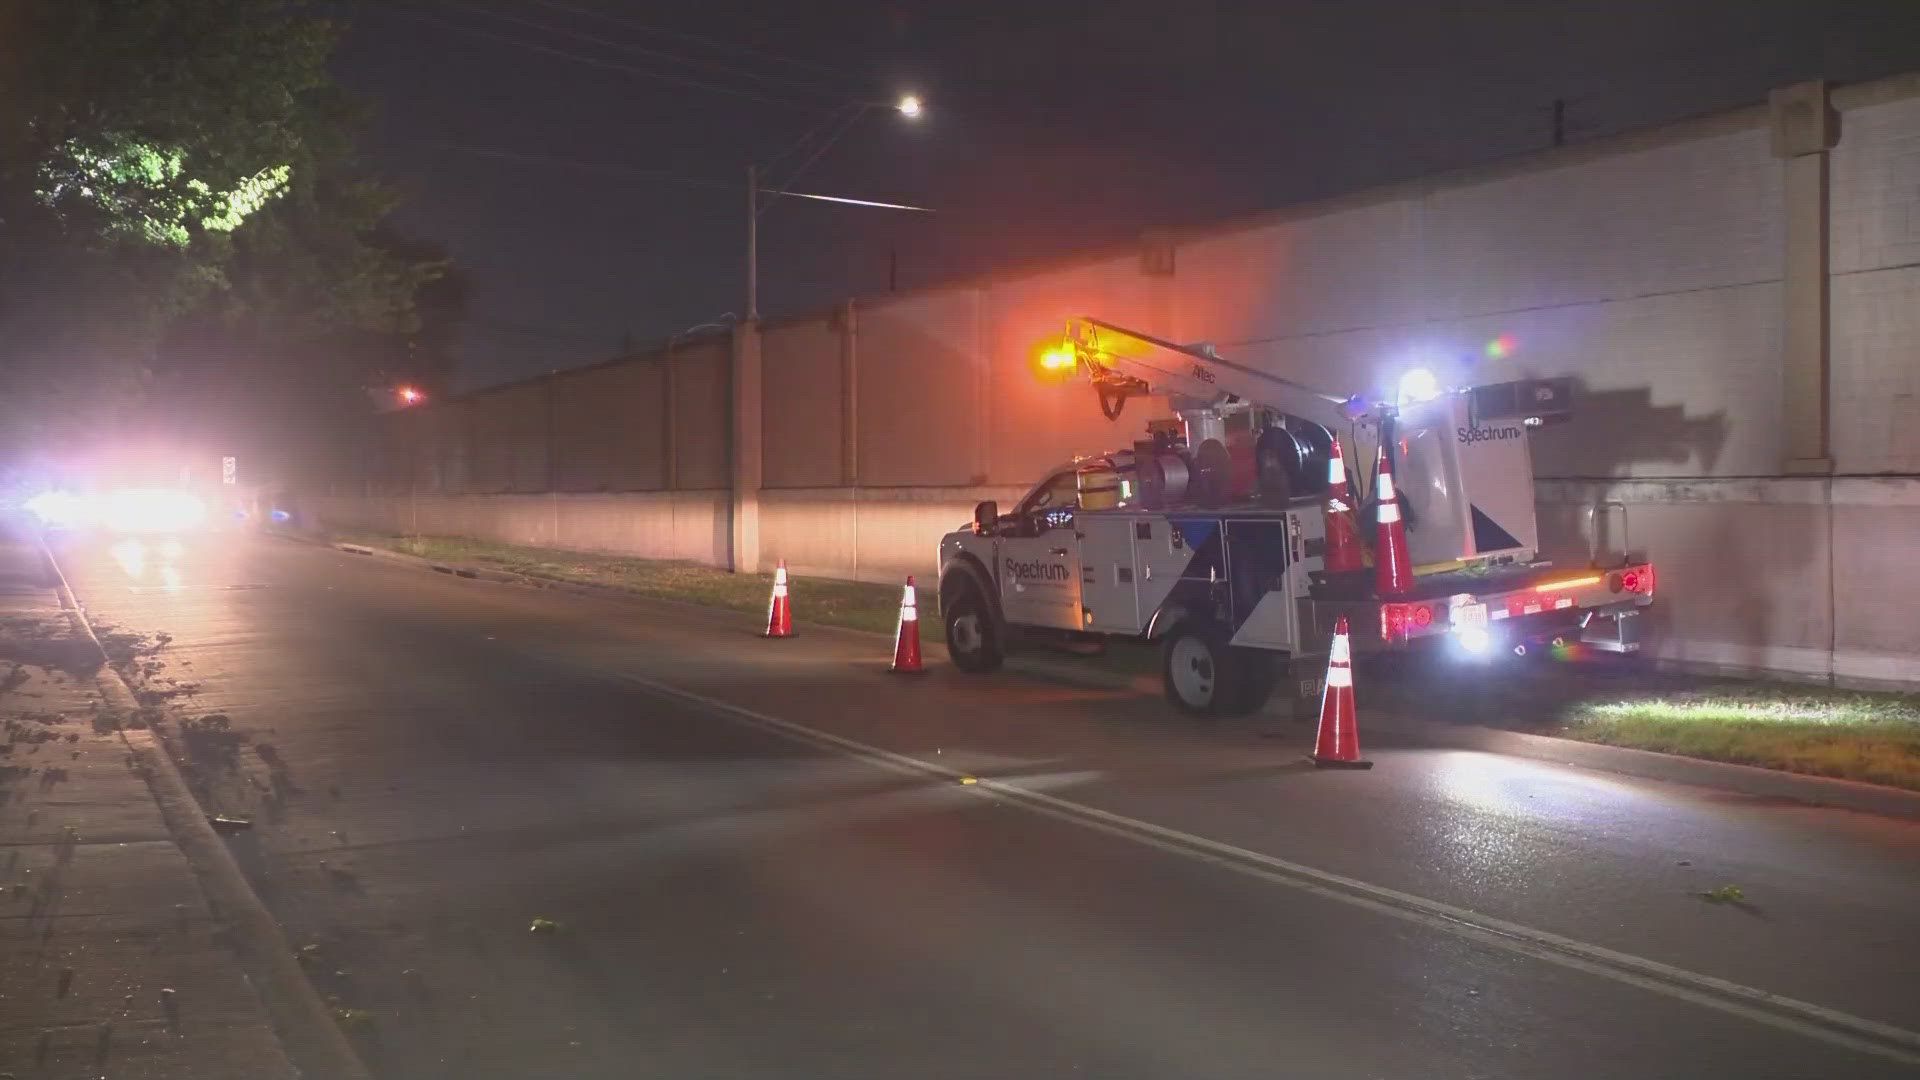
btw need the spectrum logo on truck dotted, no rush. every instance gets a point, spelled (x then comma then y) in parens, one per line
(1470, 435)
(1037, 571)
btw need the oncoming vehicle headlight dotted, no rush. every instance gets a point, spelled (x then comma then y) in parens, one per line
(59, 509)
(152, 510)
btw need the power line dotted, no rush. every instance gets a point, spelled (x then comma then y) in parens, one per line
(714, 43)
(660, 54)
(593, 166)
(609, 65)
(845, 126)
(806, 138)
(666, 177)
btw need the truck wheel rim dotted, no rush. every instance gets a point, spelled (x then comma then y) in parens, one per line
(1192, 670)
(965, 633)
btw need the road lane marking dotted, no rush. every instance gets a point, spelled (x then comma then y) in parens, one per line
(1775, 1010)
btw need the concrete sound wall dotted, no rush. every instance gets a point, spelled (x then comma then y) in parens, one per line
(629, 457)
(686, 525)
(1737, 298)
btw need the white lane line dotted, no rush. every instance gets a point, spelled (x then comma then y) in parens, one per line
(1775, 1010)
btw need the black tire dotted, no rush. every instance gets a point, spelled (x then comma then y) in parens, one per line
(973, 639)
(1241, 679)
(1259, 672)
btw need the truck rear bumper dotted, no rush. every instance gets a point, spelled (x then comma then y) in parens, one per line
(1598, 607)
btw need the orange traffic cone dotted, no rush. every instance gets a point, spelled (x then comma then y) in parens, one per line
(779, 618)
(1343, 527)
(906, 639)
(1392, 565)
(1337, 746)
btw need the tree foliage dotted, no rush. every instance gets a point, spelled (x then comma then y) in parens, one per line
(180, 204)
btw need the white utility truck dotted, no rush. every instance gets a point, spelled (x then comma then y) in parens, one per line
(1209, 535)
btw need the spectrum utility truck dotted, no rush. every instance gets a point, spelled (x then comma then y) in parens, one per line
(1211, 535)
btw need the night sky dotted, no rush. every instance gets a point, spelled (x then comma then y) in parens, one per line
(600, 193)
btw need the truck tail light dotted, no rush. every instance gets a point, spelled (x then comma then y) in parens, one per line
(1397, 620)
(1640, 579)
(1634, 579)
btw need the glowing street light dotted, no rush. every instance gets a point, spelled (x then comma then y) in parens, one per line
(910, 107)
(409, 395)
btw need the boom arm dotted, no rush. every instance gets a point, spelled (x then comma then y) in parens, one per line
(1125, 363)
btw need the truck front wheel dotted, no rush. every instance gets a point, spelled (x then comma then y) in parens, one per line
(973, 641)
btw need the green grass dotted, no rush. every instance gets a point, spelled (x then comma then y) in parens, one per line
(1872, 737)
(855, 605)
(1793, 727)
(1856, 736)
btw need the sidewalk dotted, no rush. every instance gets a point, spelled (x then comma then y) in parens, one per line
(111, 961)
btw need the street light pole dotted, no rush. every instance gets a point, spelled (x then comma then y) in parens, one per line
(753, 243)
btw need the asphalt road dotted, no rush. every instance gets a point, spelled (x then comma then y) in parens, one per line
(785, 875)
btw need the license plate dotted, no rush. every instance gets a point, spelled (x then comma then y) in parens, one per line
(1467, 616)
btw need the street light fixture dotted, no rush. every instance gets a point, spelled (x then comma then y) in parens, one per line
(910, 107)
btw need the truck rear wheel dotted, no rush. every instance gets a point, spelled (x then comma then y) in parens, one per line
(1206, 676)
(973, 641)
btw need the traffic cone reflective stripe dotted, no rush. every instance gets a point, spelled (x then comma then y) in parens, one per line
(779, 616)
(1389, 499)
(1337, 744)
(1392, 563)
(1342, 527)
(1337, 677)
(906, 639)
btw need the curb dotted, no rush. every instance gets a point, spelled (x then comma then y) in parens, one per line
(300, 1018)
(1821, 791)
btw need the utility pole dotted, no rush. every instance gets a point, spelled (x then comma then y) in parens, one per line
(753, 243)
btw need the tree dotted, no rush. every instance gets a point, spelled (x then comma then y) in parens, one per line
(180, 203)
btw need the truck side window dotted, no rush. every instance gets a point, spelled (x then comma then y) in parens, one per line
(1052, 505)
(1061, 492)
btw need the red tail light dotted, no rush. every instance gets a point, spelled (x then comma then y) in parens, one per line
(1397, 619)
(1635, 579)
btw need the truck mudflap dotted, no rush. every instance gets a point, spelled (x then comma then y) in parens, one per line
(1564, 604)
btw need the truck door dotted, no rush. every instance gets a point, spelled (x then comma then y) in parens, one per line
(1039, 558)
(1107, 585)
